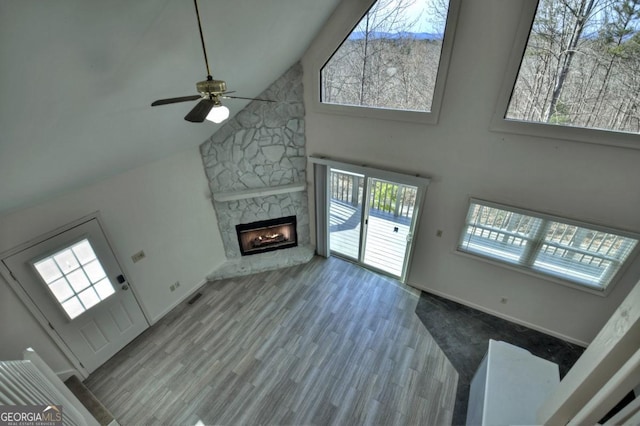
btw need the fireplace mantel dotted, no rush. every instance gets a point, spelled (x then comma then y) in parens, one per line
(259, 192)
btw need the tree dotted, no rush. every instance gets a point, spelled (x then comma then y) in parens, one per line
(580, 13)
(382, 63)
(580, 66)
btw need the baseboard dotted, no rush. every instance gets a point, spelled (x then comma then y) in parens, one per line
(505, 317)
(179, 301)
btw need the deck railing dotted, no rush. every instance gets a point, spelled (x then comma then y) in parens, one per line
(347, 187)
(388, 197)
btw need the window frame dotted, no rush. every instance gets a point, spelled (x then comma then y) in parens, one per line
(54, 299)
(357, 12)
(499, 122)
(603, 292)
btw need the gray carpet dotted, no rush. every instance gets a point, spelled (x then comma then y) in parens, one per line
(91, 403)
(463, 335)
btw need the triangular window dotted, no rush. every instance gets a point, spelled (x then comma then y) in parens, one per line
(580, 67)
(574, 73)
(391, 59)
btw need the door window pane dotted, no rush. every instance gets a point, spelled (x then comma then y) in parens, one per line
(390, 214)
(66, 260)
(94, 271)
(61, 289)
(78, 280)
(89, 298)
(75, 278)
(345, 212)
(73, 307)
(84, 252)
(48, 270)
(381, 241)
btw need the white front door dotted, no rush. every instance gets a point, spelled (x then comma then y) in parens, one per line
(74, 279)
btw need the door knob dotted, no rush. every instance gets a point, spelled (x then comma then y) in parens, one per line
(125, 287)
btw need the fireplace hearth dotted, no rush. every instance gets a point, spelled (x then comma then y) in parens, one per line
(267, 235)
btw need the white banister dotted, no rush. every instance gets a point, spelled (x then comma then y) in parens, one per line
(626, 415)
(32, 382)
(620, 384)
(607, 354)
(43, 367)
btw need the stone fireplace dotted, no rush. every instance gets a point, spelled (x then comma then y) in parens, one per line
(256, 167)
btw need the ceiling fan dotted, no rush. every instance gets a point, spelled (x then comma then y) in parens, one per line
(210, 93)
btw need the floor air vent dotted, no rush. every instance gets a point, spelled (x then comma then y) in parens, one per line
(194, 298)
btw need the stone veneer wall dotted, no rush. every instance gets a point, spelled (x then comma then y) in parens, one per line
(262, 146)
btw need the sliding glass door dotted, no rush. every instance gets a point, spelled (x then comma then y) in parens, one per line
(389, 225)
(345, 215)
(372, 220)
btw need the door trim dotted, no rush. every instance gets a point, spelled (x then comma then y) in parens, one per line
(364, 216)
(411, 179)
(37, 314)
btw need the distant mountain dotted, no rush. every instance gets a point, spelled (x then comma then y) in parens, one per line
(395, 36)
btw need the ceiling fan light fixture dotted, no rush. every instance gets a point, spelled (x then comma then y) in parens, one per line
(210, 92)
(218, 114)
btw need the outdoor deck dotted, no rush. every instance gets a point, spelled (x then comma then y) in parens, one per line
(385, 248)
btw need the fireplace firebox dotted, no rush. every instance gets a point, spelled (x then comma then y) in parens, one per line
(267, 235)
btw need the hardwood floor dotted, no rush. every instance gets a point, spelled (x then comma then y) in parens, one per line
(322, 343)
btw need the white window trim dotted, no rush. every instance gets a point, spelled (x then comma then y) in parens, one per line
(547, 277)
(383, 174)
(54, 299)
(578, 134)
(355, 12)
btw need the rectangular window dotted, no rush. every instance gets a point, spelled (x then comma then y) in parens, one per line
(580, 66)
(574, 252)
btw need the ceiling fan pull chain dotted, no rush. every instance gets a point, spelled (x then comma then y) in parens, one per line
(204, 49)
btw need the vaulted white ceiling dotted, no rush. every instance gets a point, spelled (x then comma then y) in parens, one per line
(77, 78)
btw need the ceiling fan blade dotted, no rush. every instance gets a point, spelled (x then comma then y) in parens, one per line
(200, 111)
(249, 99)
(176, 100)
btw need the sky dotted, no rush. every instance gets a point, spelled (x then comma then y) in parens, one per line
(418, 9)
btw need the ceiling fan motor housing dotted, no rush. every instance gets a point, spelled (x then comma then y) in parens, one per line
(211, 86)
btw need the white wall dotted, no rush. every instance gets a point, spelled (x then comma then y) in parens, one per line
(162, 208)
(464, 158)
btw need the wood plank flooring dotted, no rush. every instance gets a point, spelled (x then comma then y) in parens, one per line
(326, 343)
